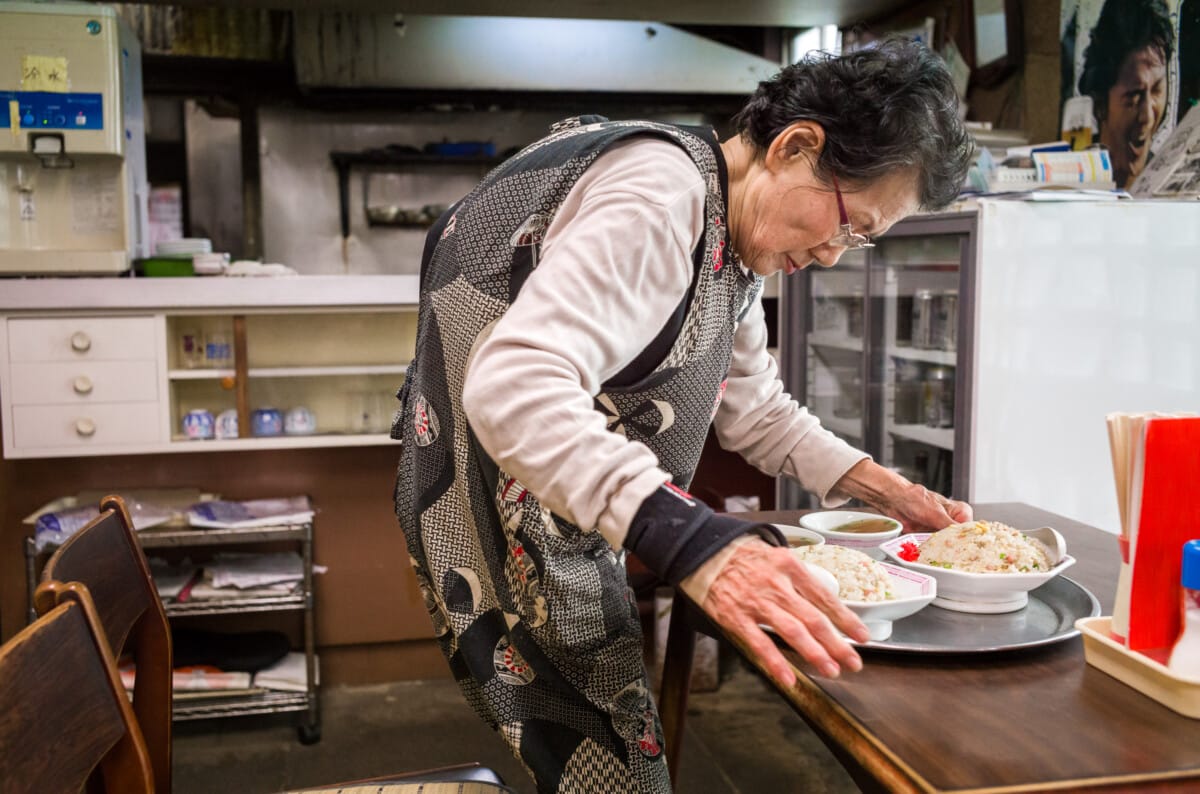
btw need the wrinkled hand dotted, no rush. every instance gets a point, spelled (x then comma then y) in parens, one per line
(922, 510)
(763, 584)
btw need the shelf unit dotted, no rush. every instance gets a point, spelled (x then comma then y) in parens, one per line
(211, 704)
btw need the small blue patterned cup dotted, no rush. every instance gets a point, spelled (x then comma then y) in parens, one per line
(198, 424)
(266, 422)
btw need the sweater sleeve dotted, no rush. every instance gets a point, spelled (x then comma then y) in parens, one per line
(615, 263)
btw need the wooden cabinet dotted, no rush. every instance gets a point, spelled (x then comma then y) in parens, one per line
(84, 381)
(77, 378)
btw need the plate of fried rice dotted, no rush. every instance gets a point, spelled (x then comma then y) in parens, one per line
(980, 566)
(878, 592)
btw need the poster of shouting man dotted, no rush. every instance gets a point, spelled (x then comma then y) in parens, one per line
(1141, 75)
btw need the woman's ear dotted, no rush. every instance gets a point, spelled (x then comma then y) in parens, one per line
(800, 140)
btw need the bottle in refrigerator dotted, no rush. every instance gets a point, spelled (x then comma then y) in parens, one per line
(909, 392)
(944, 331)
(939, 397)
(848, 404)
(854, 315)
(922, 319)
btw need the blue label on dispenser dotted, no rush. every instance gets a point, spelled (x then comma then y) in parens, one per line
(46, 110)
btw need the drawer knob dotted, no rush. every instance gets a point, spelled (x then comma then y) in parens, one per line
(81, 342)
(82, 385)
(85, 427)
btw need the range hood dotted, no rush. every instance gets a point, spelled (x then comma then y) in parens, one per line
(411, 51)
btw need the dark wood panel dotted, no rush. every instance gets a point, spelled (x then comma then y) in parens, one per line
(1020, 719)
(368, 595)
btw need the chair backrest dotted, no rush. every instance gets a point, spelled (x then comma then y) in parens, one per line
(63, 711)
(105, 556)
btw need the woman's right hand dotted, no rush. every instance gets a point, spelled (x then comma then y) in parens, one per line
(767, 585)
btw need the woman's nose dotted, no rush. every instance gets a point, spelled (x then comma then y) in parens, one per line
(828, 255)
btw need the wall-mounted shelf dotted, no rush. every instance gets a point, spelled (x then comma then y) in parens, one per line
(393, 159)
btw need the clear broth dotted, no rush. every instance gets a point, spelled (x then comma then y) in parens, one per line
(797, 543)
(866, 526)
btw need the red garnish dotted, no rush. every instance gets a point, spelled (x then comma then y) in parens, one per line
(909, 552)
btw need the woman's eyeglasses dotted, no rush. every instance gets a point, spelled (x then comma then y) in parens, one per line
(846, 237)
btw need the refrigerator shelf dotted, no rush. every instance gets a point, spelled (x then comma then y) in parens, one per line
(947, 358)
(834, 340)
(940, 437)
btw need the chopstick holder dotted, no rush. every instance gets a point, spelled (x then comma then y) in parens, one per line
(1168, 515)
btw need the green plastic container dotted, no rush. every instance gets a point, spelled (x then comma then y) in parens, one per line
(158, 266)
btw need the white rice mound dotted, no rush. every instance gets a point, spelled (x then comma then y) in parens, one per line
(859, 577)
(984, 547)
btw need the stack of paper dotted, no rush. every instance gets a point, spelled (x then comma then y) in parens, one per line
(289, 674)
(253, 513)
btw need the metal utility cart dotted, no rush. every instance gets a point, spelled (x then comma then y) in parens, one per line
(268, 702)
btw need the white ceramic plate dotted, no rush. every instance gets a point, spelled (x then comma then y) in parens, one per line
(825, 522)
(984, 593)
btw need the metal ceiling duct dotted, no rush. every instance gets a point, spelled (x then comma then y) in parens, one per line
(347, 50)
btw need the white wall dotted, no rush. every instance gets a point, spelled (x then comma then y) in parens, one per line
(301, 226)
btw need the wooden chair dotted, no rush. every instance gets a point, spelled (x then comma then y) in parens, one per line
(105, 556)
(63, 711)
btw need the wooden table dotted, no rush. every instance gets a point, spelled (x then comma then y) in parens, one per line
(1040, 719)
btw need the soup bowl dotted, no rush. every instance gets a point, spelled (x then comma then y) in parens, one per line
(799, 536)
(854, 529)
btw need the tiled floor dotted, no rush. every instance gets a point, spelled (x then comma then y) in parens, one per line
(741, 739)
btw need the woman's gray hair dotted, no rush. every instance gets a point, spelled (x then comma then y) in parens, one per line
(883, 109)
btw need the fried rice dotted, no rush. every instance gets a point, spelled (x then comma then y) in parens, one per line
(984, 547)
(859, 577)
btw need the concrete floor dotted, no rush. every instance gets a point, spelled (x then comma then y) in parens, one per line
(741, 739)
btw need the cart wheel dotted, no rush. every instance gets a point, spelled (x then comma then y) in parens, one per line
(309, 734)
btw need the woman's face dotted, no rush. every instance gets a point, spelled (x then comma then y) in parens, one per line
(787, 216)
(1136, 103)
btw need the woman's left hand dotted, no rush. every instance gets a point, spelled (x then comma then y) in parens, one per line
(920, 509)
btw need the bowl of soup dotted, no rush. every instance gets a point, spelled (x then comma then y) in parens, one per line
(854, 529)
(799, 537)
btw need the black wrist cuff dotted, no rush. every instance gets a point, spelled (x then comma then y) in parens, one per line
(673, 533)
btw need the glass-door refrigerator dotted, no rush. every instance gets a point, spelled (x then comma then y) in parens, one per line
(878, 348)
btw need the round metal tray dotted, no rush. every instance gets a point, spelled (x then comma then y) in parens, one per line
(1048, 618)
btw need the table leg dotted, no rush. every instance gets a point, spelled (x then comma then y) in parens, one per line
(677, 676)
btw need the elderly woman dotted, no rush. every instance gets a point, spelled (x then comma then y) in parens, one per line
(586, 313)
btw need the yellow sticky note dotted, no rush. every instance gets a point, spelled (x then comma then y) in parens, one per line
(44, 73)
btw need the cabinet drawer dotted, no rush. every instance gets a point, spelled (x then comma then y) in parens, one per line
(81, 338)
(111, 425)
(84, 382)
